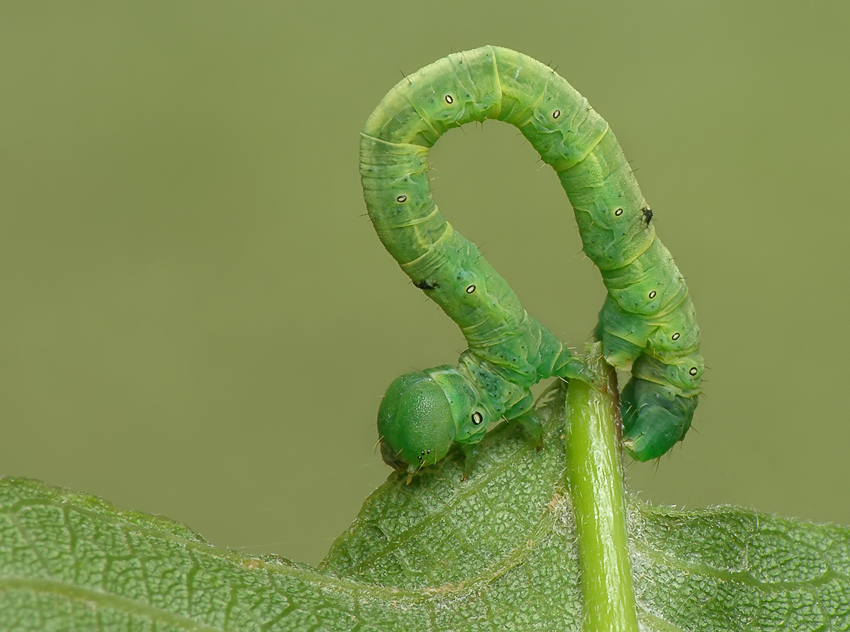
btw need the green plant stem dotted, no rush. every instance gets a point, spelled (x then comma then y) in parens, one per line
(595, 481)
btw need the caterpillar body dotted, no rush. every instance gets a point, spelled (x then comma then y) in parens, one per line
(647, 323)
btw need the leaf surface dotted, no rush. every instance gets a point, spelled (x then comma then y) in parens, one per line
(495, 552)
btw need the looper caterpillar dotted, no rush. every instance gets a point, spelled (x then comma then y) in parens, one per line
(647, 323)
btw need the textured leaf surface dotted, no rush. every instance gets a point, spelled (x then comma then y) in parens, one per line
(495, 552)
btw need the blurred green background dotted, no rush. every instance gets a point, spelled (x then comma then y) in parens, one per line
(198, 320)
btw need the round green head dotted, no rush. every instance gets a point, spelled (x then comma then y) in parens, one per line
(415, 423)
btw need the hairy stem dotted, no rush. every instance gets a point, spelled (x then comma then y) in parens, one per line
(595, 481)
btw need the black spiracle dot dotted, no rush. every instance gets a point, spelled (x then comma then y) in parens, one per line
(449, 99)
(693, 370)
(477, 418)
(556, 114)
(470, 289)
(675, 336)
(618, 212)
(401, 199)
(652, 294)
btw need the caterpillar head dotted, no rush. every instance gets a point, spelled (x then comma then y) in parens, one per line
(415, 422)
(654, 418)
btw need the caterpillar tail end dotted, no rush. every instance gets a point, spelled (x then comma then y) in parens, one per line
(654, 418)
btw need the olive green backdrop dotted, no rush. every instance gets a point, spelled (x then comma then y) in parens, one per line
(197, 320)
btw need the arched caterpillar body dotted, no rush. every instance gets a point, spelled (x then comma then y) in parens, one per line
(647, 322)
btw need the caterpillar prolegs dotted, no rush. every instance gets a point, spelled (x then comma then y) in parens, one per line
(647, 323)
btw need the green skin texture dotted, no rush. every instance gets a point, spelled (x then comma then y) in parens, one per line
(647, 323)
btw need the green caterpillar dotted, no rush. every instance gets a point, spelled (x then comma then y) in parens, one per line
(647, 323)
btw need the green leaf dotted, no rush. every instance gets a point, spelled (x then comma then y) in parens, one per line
(495, 552)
